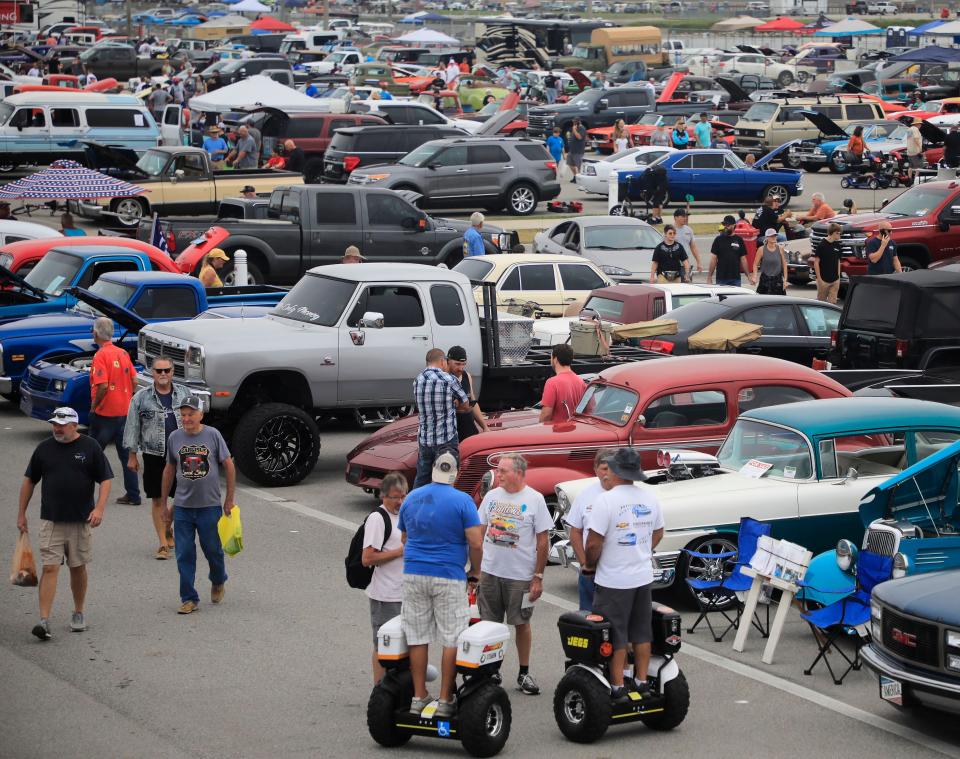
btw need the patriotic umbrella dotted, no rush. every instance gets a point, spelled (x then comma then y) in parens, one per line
(68, 180)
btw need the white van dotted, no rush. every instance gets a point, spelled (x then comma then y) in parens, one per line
(310, 40)
(14, 230)
(36, 127)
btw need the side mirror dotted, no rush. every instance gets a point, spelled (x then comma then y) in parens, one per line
(641, 421)
(884, 202)
(371, 320)
(433, 166)
(852, 474)
(570, 245)
(601, 105)
(178, 173)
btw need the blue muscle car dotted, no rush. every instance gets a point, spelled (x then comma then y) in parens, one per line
(829, 148)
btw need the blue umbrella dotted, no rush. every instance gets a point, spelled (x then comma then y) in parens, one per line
(919, 31)
(68, 180)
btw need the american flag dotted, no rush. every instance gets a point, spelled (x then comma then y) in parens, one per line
(157, 238)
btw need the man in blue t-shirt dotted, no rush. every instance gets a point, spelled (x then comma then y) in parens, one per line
(439, 524)
(881, 252)
(703, 131)
(472, 239)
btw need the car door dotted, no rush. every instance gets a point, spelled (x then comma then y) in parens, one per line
(449, 175)
(578, 281)
(336, 225)
(534, 282)
(28, 133)
(452, 315)
(782, 335)
(189, 188)
(170, 125)
(490, 171)
(552, 240)
(392, 229)
(680, 177)
(64, 126)
(380, 363)
(819, 322)
(695, 418)
(709, 178)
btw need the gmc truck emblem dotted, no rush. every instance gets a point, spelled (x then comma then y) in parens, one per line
(904, 639)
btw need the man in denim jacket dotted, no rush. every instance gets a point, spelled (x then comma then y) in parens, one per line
(154, 414)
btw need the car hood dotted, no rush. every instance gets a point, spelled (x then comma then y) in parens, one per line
(635, 261)
(221, 336)
(564, 435)
(686, 503)
(496, 122)
(104, 157)
(764, 160)
(119, 313)
(737, 93)
(47, 324)
(931, 132)
(17, 281)
(927, 596)
(825, 124)
(866, 221)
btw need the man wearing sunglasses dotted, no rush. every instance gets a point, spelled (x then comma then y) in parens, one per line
(155, 413)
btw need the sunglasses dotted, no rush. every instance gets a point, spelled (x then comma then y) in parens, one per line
(163, 371)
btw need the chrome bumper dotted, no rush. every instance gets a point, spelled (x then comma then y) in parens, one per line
(930, 683)
(201, 391)
(6, 385)
(664, 563)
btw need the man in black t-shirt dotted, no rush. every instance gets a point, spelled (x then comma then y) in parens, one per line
(669, 259)
(68, 465)
(728, 256)
(826, 265)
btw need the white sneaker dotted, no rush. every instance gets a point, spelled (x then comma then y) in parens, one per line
(417, 705)
(77, 623)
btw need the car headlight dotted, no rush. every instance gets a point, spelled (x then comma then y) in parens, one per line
(563, 502)
(59, 386)
(846, 554)
(486, 482)
(953, 662)
(193, 363)
(953, 639)
(371, 178)
(615, 271)
(589, 170)
(818, 151)
(901, 565)
(761, 133)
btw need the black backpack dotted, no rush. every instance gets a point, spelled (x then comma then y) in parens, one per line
(359, 576)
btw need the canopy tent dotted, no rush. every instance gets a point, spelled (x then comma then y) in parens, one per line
(919, 31)
(950, 29)
(736, 24)
(249, 6)
(270, 24)
(224, 21)
(850, 27)
(255, 92)
(782, 24)
(819, 23)
(931, 54)
(68, 180)
(427, 37)
(223, 26)
(423, 17)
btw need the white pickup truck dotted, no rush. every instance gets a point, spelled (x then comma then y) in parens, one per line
(882, 9)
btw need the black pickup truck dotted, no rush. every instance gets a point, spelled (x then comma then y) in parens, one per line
(118, 61)
(311, 225)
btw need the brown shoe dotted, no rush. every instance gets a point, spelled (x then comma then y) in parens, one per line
(216, 593)
(187, 607)
(163, 553)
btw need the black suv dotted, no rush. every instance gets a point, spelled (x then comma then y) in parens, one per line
(241, 68)
(354, 147)
(594, 108)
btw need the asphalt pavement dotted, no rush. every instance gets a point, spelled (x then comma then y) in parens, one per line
(281, 667)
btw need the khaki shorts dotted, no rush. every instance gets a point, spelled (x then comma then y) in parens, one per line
(64, 539)
(434, 608)
(827, 291)
(499, 597)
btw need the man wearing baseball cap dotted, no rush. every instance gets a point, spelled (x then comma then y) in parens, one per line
(68, 465)
(195, 455)
(248, 191)
(624, 528)
(728, 255)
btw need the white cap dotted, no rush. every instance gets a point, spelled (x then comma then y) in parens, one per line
(64, 415)
(445, 468)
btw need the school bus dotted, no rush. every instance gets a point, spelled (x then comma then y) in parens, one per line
(609, 46)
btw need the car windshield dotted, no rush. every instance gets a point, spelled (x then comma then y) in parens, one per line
(651, 119)
(607, 308)
(316, 300)
(760, 112)
(115, 292)
(917, 201)
(686, 299)
(783, 452)
(474, 270)
(609, 403)
(627, 237)
(622, 154)
(698, 314)
(153, 162)
(420, 156)
(55, 272)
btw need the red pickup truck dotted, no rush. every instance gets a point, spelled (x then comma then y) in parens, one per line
(925, 222)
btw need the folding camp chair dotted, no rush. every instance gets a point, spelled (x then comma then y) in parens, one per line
(718, 590)
(848, 617)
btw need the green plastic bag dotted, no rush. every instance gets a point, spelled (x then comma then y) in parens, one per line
(231, 532)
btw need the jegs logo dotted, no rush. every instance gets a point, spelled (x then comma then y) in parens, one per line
(194, 461)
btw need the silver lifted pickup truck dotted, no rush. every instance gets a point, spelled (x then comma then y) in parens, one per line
(347, 339)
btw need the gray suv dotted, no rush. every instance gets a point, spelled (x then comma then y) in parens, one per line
(470, 172)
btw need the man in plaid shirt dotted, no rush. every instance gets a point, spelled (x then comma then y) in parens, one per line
(438, 396)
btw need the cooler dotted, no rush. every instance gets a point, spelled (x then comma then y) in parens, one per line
(481, 647)
(585, 338)
(392, 644)
(586, 637)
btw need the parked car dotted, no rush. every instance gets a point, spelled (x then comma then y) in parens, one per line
(621, 247)
(413, 113)
(552, 282)
(594, 174)
(594, 107)
(790, 465)
(795, 329)
(12, 230)
(239, 69)
(491, 172)
(118, 61)
(915, 641)
(829, 148)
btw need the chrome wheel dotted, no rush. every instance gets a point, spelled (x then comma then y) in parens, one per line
(779, 192)
(618, 210)
(523, 200)
(278, 444)
(573, 707)
(129, 211)
(493, 721)
(6, 165)
(705, 568)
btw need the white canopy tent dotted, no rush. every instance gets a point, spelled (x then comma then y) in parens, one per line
(256, 92)
(949, 29)
(850, 27)
(249, 6)
(224, 21)
(427, 37)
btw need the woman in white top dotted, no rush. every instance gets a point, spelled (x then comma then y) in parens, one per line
(621, 139)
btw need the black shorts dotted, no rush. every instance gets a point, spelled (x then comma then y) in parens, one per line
(153, 475)
(630, 611)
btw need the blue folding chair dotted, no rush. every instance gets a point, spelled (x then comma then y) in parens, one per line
(840, 619)
(717, 590)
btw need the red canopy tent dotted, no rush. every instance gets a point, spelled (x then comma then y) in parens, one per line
(782, 24)
(268, 24)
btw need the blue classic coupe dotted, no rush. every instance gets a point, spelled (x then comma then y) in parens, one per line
(716, 176)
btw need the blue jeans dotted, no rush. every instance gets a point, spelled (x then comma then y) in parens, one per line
(732, 282)
(427, 455)
(586, 587)
(203, 523)
(109, 429)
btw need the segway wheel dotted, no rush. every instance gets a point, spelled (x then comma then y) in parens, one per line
(676, 704)
(582, 706)
(844, 183)
(381, 721)
(484, 720)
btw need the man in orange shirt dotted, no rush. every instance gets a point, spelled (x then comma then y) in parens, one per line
(819, 210)
(113, 381)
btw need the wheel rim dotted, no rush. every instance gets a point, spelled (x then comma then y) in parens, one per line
(709, 569)
(493, 721)
(556, 531)
(522, 199)
(6, 166)
(574, 708)
(129, 210)
(278, 444)
(793, 162)
(779, 192)
(230, 280)
(617, 210)
(838, 163)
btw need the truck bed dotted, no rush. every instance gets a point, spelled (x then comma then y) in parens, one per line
(246, 295)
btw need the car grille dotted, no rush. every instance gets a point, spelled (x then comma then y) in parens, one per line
(539, 125)
(926, 638)
(471, 471)
(36, 383)
(154, 348)
(881, 542)
(747, 132)
(849, 245)
(808, 152)
(666, 561)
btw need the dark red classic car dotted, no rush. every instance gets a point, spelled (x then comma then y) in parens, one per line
(681, 402)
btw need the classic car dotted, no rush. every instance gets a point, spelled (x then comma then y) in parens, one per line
(690, 402)
(912, 517)
(829, 148)
(796, 329)
(20, 256)
(639, 132)
(621, 247)
(550, 282)
(14, 230)
(915, 641)
(594, 174)
(719, 176)
(804, 467)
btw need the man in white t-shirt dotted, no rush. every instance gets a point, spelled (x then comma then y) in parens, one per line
(577, 519)
(625, 526)
(515, 545)
(385, 590)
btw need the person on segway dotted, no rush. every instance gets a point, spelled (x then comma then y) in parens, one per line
(624, 528)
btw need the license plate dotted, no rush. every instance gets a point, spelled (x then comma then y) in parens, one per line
(891, 690)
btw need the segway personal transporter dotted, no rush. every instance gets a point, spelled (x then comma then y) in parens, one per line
(582, 703)
(482, 718)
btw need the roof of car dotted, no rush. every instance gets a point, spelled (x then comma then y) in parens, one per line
(144, 277)
(88, 251)
(855, 415)
(921, 278)
(611, 221)
(389, 272)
